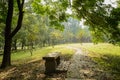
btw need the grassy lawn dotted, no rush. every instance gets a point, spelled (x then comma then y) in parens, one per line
(106, 55)
(21, 57)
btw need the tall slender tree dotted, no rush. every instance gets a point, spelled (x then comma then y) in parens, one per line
(10, 34)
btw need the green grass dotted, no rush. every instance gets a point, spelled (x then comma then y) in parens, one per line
(106, 55)
(22, 57)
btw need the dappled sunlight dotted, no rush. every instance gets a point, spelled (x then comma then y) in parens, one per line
(5, 73)
(33, 70)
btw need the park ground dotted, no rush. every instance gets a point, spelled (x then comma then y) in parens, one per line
(84, 61)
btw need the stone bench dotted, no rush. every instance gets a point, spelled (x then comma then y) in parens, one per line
(52, 60)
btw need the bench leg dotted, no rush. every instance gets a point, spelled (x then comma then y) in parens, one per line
(50, 66)
(58, 61)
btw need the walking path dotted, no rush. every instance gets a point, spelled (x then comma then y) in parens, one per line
(81, 67)
(74, 67)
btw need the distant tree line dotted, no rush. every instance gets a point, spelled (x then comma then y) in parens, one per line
(35, 33)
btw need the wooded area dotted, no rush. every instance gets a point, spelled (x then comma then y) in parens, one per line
(31, 23)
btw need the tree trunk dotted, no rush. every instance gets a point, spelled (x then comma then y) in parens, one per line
(7, 53)
(7, 47)
(8, 34)
(23, 43)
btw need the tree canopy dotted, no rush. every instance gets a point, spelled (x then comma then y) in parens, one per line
(41, 16)
(102, 19)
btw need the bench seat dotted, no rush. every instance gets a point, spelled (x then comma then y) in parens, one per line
(52, 60)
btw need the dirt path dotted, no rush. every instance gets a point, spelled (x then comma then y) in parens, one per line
(83, 68)
(74, 67)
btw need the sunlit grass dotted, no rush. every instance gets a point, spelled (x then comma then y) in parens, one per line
(102, 48)
(21, 57)
(106, 55)
(25, 56)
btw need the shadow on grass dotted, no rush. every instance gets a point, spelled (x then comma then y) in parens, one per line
(110, 63)
(28, 71)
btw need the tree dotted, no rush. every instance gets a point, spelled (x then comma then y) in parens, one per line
(55, 11)
(75, 32)
(55, 37)
(8, 34)
(3, 13)
(102, 19)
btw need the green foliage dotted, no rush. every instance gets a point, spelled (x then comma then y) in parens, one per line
(3, 11)
(38, 7)
(55, 36)
(113, 26)
(102, 19)
(55, 10)
(41, 16)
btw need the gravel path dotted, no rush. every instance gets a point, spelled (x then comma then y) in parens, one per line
(82, 67)
(74, 67)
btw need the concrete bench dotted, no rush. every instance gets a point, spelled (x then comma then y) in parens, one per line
(52, 60)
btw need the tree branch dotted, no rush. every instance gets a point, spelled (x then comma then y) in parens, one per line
(20, 18)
